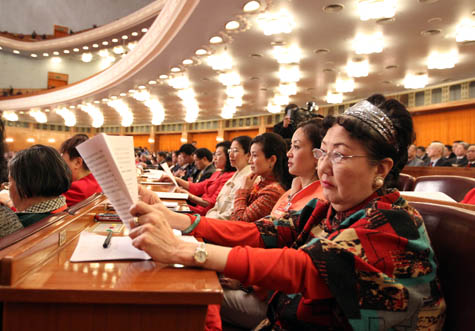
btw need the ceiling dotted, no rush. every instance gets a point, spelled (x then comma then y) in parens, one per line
(419, 28)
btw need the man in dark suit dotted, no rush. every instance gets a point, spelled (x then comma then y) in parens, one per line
(471, 156)
(460, 159)
(435, 152)
(203, 164)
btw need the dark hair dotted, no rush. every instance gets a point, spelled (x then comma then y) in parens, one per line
(274, 144)
(40, 171)
(449, 147)
(204, 152)
(421, 148)
(188, 149)
(376, 146)
(162, 154)
(244, 141)
(226, 145)
(3, 150)
(69, 147)
(168, 158)
(313, 130)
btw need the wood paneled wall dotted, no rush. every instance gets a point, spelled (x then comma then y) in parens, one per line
(204, 140)
(20, 135)
(142, 141)
(445, 126)
(229, 135)
(168, 142)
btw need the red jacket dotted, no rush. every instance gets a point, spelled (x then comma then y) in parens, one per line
(81, 189)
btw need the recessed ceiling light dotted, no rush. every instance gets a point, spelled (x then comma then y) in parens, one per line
(144, 30)
(434, 20)
(115, 40)
(33, 55)
(105, 99)
(134, 34)
(95, 45)
(430, 32)
(125, 37)
(328, 70)
(97, 101)
(333, 8)
(132, 91)
(216, 40)
(391, 66)
(428, 1)
(175, 69)
(113, 97)
(105, 43)
(46, 110)
(255, 78)
(387, 82)
(278, 43)
(263, 89)
(45, 54)
(152, 82)
(1, 48)
(85, 48)
(163, 76)
(201, 51)
(16, 51)
(75, 50)
(123, 94)
(321, 51)
(86, 57)
(142, 87)
(232, 25)
(386, 20)
(66, 51)
(255, 55)
(22, 112)
(251, 6)
(72, 106)
(55, 53)
(187, 61)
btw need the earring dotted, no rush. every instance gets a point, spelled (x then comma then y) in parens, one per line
(378, 182)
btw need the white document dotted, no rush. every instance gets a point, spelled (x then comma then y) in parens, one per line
(428, 195)
(170, 204)
(153, 174)
(169, 173)
(89, 248)
(112, 162)
(172, 195)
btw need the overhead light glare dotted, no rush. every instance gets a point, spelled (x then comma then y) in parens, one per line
(179, 82)
(357, 68)
(10, 116)
(201, 51)
(85, 48)
(45, 54)
(104, 53)
(67, 115)
(288, 89)
(33, 55)
(152, 82)
(276, 23)
(56, 60)
(105, 43)
(86, 57)
(216, 40)
(220, 62)
(416, 81)
(232, 25)
(163, 76)
(95, 45)
(134, 34)
(118, 50)
(343, 85)
(251, 6)
(334, 97)
(66, 51)
(95, 114)
(115, 40)
(75, 50)
(124, 111)
(376, 9)
(38, 115)
(368, 44)
(273, 108)
(229, 78)
(144, 30)
(438, 60)
(465, 31)
(289, 74)
(175, 69)
(287, 55)
(187, 61)
(15, 51)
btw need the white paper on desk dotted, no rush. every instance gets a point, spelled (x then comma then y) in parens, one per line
(172, 195)
(89, 248)
(153, 174)
(170, 204)
(169, 173)
(112, 162)
(428, 195)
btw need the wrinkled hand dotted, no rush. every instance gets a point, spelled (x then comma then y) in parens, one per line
(148, 196)
(229, 283)
(153, 234)
(249, 181)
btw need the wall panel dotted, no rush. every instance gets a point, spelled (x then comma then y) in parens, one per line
(229, 135)
(20, 135)
(168, 142)
(204, 139)
(142, 141)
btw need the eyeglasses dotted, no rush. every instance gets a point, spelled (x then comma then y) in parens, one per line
(233, 150)
(335, 157)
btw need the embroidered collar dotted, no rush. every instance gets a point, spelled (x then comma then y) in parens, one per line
(47, 206)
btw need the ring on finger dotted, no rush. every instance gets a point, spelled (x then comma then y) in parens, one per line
(136, 221)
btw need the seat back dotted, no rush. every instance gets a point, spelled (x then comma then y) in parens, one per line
(406, 182)
(454, 186)
(452, 234)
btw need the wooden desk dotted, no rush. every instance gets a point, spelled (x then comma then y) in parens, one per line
(439, 202)
(430, 171)
(55, 294)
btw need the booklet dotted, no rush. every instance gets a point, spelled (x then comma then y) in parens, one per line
(112, 162)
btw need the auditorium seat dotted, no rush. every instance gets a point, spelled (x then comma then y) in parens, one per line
(406, 182)
(452, 234)
(454, 186)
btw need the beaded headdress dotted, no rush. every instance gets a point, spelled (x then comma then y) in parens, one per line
(374, 117)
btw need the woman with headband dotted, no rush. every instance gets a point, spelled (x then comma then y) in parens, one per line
(361, 259)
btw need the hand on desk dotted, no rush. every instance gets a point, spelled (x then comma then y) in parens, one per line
(148, 196)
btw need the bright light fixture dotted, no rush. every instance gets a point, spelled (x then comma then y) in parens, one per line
(367, 44)
(45, 54)
(280, 99)
(144, 30)
(103, 53)
(95, 45)
(357, 68)
(465, 31)
(118, 50)
(95, 114)
(251, 6)
(56, 53)
(125, 37)
(289, 74)
(52, 140)
(142, 87)
(163, 76)
(229, 78)
(343, 85)
(33, 55)
(38, 115)
(115, 40)
(152, 82)
(216, 40)
(85, 48)
(56, 60)
(175, 69)
(134, 34)
(105, 43)
(438, 60)
(201, 51)
(273, 108)
(157, 110)
(67, 115)
(141, 95)
(124, 111)
(123, 94)
(232, 25)
(30, 140)
(9, 140)
(275, 23)
(179, 82)
(15, 51)
(75, 50)
(288, 89)
(287, 55)
(376, 9)
(86, 57)
(236, 91)
(416, 81)
(334, 97)
(187, 61)
(10, 116)
(220, 62)
(131, 45)
(66, 51)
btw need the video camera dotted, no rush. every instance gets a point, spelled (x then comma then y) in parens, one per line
(299, 115)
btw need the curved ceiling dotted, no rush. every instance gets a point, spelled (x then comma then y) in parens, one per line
(324, 38)
(26, 16)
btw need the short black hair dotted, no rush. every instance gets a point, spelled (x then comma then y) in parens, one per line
(162, 154)
(244, 141)
(204, 152)
(313, 130)
(69, 147)
(226, 145)
(188, 149)
(421, 148)
(40, 171)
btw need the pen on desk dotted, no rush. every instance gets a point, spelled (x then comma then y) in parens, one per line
(107, 242)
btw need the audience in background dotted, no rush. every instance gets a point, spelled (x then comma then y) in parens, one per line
(38, 179)
(83, 182)
(471, 156)
(187, 167)
(421, 154)
(204, 164)
(447, 152)
(176, 166)
(239, 159)
(460, 151)
(286, 128)
(435, 151)
(412, 159)
(269, 179)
